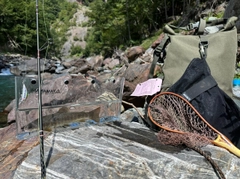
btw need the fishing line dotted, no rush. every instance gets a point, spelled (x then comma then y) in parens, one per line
(25, 29)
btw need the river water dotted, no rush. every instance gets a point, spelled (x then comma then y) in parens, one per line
(7, 93)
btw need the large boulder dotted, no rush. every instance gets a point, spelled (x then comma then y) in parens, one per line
(121, 150)
(134, 52)
(110, 149)
(29, 66)
(134, 75)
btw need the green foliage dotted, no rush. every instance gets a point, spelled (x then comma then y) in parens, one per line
(18, 24)
(114, 24)
(237, 71)
(76, 50)
(220, 15)
(75, 38)
(121, 23)
(148, 42)
(13, 29)
(125, 23)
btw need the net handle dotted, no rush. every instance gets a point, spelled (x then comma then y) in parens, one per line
(223, 142)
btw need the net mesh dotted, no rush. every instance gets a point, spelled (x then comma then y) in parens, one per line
(191, 140)
(172, 112)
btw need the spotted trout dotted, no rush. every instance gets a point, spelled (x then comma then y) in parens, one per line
(62, 118)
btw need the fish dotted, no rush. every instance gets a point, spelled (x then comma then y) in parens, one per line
(62, 118)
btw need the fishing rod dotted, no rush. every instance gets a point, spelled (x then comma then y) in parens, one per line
(40, 122)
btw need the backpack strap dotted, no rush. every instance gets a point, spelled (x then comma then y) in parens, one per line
(231, 22)
(168, 29)
(158, 54)
(188, 27)
(201, 26)
(203, 45)
(200, 87)
(222, 23)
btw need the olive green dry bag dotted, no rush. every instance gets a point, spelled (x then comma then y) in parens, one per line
(216, 41)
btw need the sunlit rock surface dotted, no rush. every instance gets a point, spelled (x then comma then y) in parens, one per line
(122, 150)
(13, 151)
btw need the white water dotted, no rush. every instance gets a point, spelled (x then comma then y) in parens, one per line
(5, 71)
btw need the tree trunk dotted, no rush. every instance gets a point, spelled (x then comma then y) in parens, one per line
(128, 25)
(184, 7)
(173, 9)
(165, 5)
(197, 3)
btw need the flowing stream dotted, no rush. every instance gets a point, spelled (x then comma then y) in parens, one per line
(7, 94)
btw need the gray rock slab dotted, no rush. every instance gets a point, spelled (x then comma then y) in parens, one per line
(122, 150)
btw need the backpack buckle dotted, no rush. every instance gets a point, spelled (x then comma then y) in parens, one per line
(192, 26)
(203, 45)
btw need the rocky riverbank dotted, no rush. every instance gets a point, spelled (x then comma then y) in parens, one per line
(122, 147)
(119, 148)
(132, 65)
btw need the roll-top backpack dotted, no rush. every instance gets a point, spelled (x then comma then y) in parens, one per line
(215, 40)
(200, 67)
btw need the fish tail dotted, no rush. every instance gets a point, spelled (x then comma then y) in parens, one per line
(95, 114)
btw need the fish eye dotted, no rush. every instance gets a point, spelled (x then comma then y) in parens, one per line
(66, 82)
(93, 81)
(33, 81)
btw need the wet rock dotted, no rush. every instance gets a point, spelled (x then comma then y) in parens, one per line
(59, 69)
(29, 66)
(15, 71)
(3, 63)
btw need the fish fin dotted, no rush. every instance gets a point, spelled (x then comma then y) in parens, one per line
(95, 114)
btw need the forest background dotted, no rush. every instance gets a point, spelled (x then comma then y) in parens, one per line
(114, 24)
